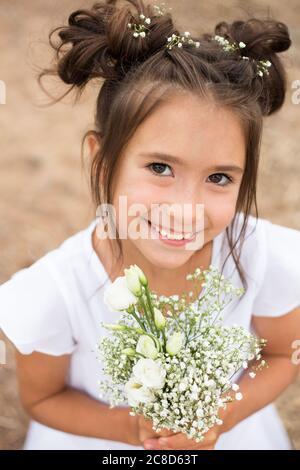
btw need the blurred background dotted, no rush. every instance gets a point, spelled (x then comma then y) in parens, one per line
(44, 195)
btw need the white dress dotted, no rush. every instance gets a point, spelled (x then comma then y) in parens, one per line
(54, 307)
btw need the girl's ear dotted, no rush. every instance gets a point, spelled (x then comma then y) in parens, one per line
(93, 144)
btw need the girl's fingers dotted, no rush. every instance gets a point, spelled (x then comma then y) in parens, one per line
(178, 442)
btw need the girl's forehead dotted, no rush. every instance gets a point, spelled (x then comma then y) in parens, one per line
(200, 129)
(190, 115)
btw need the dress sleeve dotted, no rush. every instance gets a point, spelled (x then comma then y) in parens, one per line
(279, 291)
(33, 313)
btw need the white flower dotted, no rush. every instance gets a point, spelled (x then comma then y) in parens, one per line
(137, 393)
(146, 347)
(238, 396)
(174, 344)
(182, 386)
(199, 413)
(150, 373)
(159, 319)
(142, 277)
(210, 383)
(252, 374)
(235, 387)
(117, 296)
(132, 276)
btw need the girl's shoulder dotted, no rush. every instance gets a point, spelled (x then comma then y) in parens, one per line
(36, 303)
(272, 252)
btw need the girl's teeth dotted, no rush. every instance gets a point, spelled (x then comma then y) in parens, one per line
(178, 237)
(172, 236)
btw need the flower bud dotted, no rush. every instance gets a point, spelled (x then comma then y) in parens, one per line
(147, 347)
(174, 344)
(159, 319)
(129, 352)
(114, 327)
(142, 277)
(133, 281)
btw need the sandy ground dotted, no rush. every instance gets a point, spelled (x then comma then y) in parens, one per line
(44, 196)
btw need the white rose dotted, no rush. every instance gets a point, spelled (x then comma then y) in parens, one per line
(150, 373)
(146, 347)
(117, 296)
(137, 393)
(174, 344)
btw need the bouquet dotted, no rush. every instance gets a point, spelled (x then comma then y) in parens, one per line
(173, 360)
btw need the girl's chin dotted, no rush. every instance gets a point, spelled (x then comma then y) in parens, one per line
(161, 256)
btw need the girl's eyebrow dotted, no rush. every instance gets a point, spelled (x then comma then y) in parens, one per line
(179, 161)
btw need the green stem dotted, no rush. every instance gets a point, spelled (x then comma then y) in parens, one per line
(156, 340)
(146, 313)
(151, 309)
(137, 319)
(165, 340)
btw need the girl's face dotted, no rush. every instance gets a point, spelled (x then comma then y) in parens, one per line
(202, 139)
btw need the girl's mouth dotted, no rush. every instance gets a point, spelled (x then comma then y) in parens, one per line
(172, 238)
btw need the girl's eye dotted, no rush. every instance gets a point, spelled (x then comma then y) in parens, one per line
(217, 177)
(159, 168)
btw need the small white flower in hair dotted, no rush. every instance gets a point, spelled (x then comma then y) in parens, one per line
(140, 30)
(261, 65)
(176, 40)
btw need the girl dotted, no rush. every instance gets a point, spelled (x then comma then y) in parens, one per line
(178, 120)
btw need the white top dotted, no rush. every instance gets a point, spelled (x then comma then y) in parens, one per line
(55, 306)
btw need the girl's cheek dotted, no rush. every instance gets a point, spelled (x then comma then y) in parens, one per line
(220, 213)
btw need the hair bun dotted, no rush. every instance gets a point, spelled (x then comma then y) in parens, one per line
(262, 37)
(97, 42)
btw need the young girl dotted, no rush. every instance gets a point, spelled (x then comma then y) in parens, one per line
(178, 121)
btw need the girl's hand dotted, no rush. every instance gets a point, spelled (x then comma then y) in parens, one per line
(181, 442)
(143, 430)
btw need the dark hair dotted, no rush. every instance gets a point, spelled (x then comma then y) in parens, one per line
(139, 73)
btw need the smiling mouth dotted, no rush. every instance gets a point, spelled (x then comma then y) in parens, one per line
(170, 234)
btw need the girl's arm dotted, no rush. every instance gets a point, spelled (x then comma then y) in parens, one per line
(269, 383)
(47, 399)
